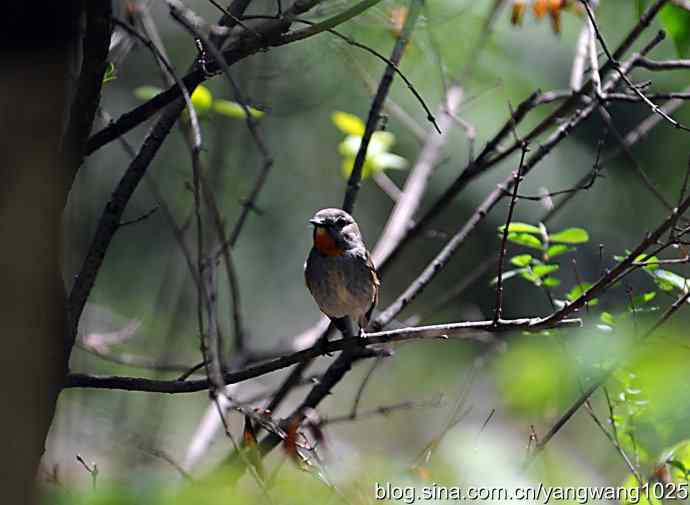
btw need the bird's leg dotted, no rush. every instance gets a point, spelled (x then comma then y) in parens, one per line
(323, 343)
(344, 326)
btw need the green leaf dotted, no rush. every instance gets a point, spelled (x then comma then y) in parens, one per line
(678, 458)
(633, 487)
(368, 169)
(381, 142)
(578, 291)
(558, 249)
(676, 22)
(235, 110)
(551, 282)
(349, 147)
(521, 228)
(607, 318)
(678, 465)
(644, 298)
(542, 270)
(202, 99)
(391, 161)
(521, 260)
(667, 280)
(571, 236)
(525, 239)
(530, 276)
(348, 123)
(146, 92)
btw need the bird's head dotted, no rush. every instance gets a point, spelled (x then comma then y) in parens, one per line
(335, 231)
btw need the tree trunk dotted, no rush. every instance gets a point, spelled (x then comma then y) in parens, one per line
(37, 43)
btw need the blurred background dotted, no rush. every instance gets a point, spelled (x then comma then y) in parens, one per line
(493, 397)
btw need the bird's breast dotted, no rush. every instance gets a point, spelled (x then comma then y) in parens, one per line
(324, 242)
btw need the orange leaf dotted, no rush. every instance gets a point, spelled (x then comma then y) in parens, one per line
(540, 7)
(518, 12)
(290, 442)
(662, 473)
(423, 473)
(396, 20)
(249, 435)
(251, 447)
(555, 5)
(555, 16)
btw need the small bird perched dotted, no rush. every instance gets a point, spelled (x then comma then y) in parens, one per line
(339, 271)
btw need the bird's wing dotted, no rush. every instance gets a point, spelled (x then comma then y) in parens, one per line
(377, 283)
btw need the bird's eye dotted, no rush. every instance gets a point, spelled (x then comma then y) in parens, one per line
(341, 222)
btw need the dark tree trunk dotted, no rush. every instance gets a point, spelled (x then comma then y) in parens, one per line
(38, 45)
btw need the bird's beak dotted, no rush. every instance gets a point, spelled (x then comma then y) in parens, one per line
(316, 222)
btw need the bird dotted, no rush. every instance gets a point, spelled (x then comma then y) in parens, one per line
(339, 271)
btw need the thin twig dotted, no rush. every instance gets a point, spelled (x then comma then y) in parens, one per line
(383, 410)
(663, 65)
(606, 116)
(392, 64)
(615, 444)
(139, 219)
(504, 239)
(362, 387)
(91, 469)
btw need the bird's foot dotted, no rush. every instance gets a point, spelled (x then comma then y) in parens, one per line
(323, 344)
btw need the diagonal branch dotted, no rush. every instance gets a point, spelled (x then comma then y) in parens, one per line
(88, 93)
(373, 118)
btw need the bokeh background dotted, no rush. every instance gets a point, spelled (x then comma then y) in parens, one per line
(495, 393)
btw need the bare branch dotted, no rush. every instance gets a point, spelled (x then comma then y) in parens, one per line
(616, 65)
(480, 331)
(663, 65)
(416, 183)
(373, 118)
(615, 444)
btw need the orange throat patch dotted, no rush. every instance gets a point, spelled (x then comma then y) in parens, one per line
(324, 243)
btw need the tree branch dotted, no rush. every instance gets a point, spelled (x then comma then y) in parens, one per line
(480, 331)
(373, 118)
